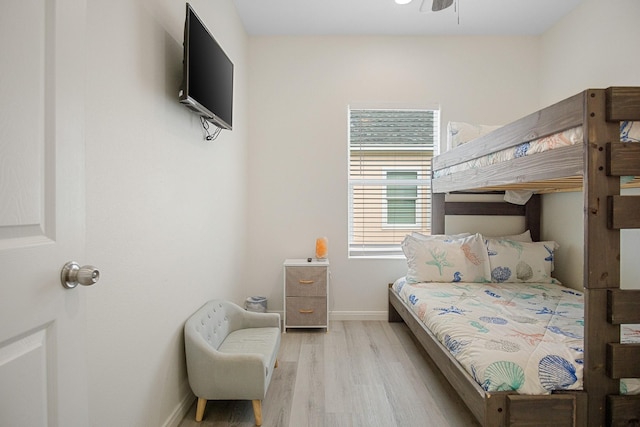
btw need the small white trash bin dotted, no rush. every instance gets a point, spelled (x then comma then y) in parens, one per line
(256, 304)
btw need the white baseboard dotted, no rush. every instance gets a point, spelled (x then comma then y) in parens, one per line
(358, 315)
(353, 315)
(180, 411)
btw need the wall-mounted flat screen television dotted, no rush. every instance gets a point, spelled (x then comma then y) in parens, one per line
(207, 86)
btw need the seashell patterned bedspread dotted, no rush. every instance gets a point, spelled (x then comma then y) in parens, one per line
(526, 337)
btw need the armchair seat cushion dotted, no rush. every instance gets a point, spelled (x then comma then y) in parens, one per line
(262, 341)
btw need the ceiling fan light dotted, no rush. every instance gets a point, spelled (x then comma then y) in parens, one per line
(403, 1)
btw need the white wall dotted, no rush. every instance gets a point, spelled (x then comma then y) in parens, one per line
(300, 90)
(596, 46)
(165, 209)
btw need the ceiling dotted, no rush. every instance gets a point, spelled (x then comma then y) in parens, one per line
(384, 17)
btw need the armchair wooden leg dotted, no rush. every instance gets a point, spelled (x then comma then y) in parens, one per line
(257, 411)
(276, 365)
(200, 408)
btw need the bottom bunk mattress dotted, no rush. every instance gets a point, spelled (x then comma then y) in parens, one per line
(526, 337)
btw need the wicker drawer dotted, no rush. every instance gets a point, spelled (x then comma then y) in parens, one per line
(306, 281)
(306, 311)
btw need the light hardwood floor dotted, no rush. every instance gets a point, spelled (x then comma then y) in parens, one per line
(360, 373)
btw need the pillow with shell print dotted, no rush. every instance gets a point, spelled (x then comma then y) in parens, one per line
(512, 261)
(462, 259)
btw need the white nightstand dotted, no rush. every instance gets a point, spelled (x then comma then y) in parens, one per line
(306, 292)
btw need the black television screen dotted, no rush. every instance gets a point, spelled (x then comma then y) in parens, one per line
(207, 87)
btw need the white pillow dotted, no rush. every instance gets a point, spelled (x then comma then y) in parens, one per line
(512, 261)
(523, 237)
(447, 260)
(438, 236)
(459, 132)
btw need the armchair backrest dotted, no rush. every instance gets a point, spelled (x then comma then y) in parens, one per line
(214, 321)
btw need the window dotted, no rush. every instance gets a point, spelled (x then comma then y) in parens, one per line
(390, 153)
(402, 199)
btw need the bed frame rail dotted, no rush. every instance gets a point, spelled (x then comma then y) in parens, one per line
(623, 158)
(623, 103)
(623, 212)
(558, 409)
(623, 411)
(531, 212)
(556, 118)
(623, 306)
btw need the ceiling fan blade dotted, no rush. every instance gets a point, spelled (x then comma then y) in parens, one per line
(441, 4)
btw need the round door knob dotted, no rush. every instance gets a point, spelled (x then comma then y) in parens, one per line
(73, 275)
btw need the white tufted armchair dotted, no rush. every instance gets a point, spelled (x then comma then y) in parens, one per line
(231, 354)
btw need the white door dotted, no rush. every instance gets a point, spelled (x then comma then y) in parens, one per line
(42, 351)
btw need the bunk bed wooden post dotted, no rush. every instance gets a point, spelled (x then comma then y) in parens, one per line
(601, 255)
(437, 212)
(532, 214)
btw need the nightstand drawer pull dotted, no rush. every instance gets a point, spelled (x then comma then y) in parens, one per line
(306, 311)
(306, 282)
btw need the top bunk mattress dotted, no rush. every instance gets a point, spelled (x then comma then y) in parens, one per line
(545, 151)
(629, 132)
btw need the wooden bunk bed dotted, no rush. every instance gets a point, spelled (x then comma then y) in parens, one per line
(594, 167)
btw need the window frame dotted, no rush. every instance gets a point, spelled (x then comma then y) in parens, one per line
(418, 211)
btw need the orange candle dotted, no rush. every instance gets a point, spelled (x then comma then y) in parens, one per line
(321, 248)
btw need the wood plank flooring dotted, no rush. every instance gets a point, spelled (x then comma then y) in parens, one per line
(360, 373)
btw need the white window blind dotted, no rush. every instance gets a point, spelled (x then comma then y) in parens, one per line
(390, 152)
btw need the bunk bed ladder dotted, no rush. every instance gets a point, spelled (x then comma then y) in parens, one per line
(623, 306)
(607, 360)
